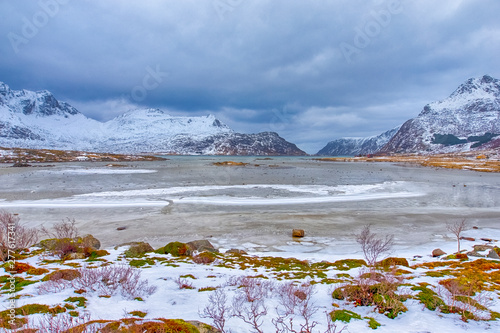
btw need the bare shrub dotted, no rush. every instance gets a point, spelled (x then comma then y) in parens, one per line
(183, 283)
(62, 235)
(373, 246)
(457, 229)
(107, 280)
(374, 289)
(295, 301)
(217, 309)
(64, 229)
(13, 235)
(249, 302)
(63, 323)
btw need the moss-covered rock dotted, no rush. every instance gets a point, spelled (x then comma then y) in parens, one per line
(177, 249)
(392, 261)
(138, 249)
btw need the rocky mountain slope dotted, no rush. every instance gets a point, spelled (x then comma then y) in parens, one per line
(469, 119)
(357, 146)
(38, 120)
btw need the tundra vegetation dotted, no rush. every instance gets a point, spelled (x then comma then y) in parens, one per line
(256, 292)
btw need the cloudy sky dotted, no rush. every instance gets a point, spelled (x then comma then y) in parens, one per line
(311, 70)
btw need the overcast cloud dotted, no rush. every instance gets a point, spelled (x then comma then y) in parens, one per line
(313, 71)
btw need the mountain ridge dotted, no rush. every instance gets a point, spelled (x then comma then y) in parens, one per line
(38, 120)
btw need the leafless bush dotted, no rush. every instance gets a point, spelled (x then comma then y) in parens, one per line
(295, 301)
(107, 280)
(63, 323)
(249, 302)
(457, 229)
(217, 309)
(13, 235)
(372, 245)
(65, 229)
(183, 283)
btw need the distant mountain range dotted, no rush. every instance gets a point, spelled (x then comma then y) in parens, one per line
(38, 120)
(469, 119)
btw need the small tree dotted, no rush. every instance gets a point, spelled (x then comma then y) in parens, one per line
(457, 228)
(372, 245)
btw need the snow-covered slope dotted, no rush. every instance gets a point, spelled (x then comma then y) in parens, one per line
(468, 119)
(357, 146)
(38, 120)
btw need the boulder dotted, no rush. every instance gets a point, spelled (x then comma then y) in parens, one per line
(480, 248)
(298, 233)
(493, 254)
(236, 251)
(201, 245)
(177, 249)
(89, 241)
(438, 253)
(468, 239)
(138, 249)
(475, 254)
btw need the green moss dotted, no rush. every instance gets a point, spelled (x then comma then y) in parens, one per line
(74, 313)
(177, 249)
(429, 298)
(69, 306)
(19, 284)
(207, 289)
(389, 305)
(344, 315)
(389, 262)
(191, 276)
(138, 299)
(80, 301)
(348, 264)
(372, 323)
(438, 273)
(138, 314)
(141, 262)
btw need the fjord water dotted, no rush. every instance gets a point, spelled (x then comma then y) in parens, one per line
(253, 207)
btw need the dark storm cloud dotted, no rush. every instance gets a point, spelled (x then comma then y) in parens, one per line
(310, 70)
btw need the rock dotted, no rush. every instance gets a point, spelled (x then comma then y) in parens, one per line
(475, 227)
(236, 251)
(75, 255)
(438, 253)
(488, 240)
(493, 254)
(201, 245)
(138, 249)
(475, 254)
(468, 239)
(121, 228)
(480, 248)
(298, 233)
(388, 262)
(177, 249)
(89, 241)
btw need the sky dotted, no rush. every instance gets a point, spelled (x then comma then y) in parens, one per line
(312, 70)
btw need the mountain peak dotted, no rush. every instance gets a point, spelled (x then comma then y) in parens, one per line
(4, 88)
(485, 85)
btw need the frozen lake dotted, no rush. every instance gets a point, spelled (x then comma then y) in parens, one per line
(254, 207)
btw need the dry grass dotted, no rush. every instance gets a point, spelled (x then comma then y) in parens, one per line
(465, 161)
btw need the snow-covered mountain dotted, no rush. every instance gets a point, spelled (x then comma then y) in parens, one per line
(38, 120)
(357, 146)
(468, 119)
